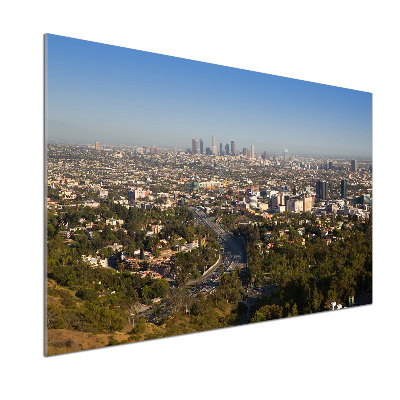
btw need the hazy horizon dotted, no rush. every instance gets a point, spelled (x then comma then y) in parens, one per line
(114, 95)
(105, 145)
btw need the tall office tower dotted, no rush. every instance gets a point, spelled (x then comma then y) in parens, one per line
(354, 165)
(221, 151)
(208, 151)
(322, 190)
(201, 147)
(286, 155)
(343, 189)
(244, 151)
(97, 146)
(233, 148)
(195, 146)
(227, 148)
(247, 153)
(252, 155)
(330, 165)
(214, 147)
(264, 155)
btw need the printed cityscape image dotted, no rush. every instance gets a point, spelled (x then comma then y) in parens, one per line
(184, 196)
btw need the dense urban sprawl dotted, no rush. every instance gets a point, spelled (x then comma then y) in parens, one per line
(145, 242)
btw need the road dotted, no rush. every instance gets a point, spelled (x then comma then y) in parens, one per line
(233, 254)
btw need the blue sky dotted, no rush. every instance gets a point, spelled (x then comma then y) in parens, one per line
(114, 95)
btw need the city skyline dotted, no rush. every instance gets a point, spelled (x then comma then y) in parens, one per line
(116, 95)
(226, 149)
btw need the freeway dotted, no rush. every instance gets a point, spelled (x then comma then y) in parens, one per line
(233, 254)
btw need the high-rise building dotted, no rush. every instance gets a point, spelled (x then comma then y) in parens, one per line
(294, 205)
(354, 165)
(252, 155)
(221, 151)
(322, 190)
(286, 155)
(274, 201)
(97, 146)
(308, 202)
(208, 151)
(214, 147)
(195, 146)
(330, 165)
(244, 151)
(227, 149)
(201, 147)
(233, 148)
(343, 189)
(264, 155)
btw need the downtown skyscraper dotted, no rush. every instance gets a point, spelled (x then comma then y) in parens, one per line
(214, 147)
(195, 146)
(286, 155)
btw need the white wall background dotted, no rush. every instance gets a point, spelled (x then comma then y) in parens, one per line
(350, 354)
